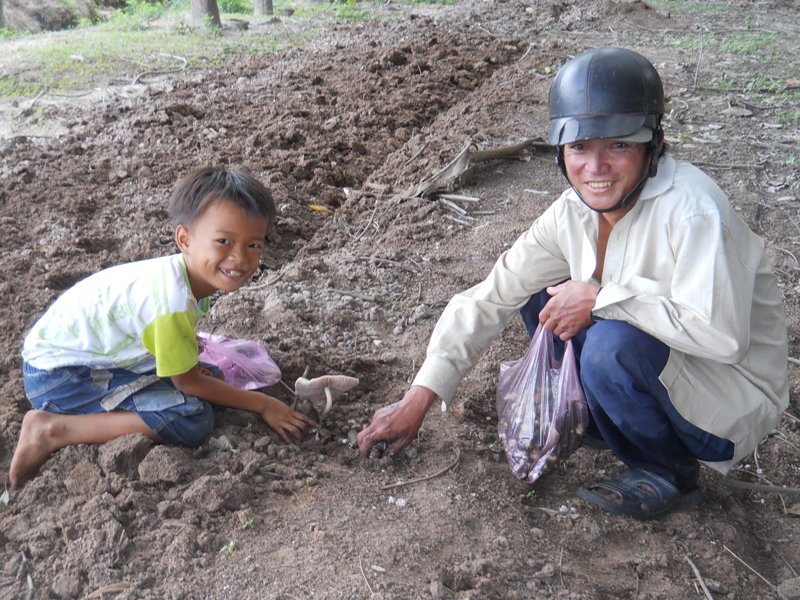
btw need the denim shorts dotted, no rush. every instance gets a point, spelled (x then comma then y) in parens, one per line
(176, 418)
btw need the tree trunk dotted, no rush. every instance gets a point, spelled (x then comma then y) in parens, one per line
(2, 19)
(260, 7)
(204, 12)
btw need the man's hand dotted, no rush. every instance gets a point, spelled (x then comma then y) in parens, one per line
(398, 423)
(569, 311)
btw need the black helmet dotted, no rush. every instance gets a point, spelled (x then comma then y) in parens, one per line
(605, 93)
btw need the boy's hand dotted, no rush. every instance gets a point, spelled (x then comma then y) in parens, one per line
(275, 413)
(284, 420)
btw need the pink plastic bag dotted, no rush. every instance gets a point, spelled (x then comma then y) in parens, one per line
(542, 411)
(244, 364)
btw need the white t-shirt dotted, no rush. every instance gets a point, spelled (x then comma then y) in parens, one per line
(138, 316)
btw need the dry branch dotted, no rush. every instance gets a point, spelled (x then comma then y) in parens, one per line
(764, 579)
(426, 477)
(445, 179)
(113, 588)
(361, 568)
(760, 487)
(699, 577)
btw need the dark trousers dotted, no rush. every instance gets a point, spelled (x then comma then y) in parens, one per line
(630, 408)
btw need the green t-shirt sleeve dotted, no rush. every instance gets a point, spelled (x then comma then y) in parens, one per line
(171, 339)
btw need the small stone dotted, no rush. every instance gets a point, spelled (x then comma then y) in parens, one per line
(789, 589)
(222, 442)
(352, 438)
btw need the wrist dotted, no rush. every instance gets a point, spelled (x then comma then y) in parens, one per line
(421, 397)
(593, 317)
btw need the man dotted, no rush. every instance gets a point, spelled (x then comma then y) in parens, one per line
(674, 310)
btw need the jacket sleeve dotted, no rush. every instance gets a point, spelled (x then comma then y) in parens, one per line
(475, 317)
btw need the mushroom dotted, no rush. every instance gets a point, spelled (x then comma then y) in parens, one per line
(327, 388)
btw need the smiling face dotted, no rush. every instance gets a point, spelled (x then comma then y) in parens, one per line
(222, 248)
(604, 171)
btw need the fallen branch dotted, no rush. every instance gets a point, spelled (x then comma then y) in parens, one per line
(712, 165)
(258, 286)
(41, 93)
(699, 577)
(418, 152)
(764, 579)
(458, 198)
(460, 220)
(369, 587)
(166, 72)
(760, 487)
(426, 477)
(367, 226)
(791, 416)
(114, 588)
(390, 262)
(452, 206)
(445, 179)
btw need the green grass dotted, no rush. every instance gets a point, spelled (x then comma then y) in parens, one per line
(744, 43)
(691, 7)
(107, 54)
(344, 10)
(747, 43)
(147, 37)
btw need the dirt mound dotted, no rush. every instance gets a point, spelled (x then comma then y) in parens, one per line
(47, 15)
(348, 124)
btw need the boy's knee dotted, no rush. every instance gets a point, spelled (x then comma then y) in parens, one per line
(200, 427)
(190, 429)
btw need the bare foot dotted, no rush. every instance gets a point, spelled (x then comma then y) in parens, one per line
(36, 443)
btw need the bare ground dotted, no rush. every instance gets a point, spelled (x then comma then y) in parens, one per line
(349, 123)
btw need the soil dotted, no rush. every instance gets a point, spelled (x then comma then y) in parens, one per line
(50, 15)
(348, 123)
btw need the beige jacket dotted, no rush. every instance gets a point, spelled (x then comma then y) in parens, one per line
(681, 266)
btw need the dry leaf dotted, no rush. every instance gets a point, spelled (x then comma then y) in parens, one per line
(794, 510)
(321, 209)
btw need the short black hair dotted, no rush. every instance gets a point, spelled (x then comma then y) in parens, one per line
(196, 191)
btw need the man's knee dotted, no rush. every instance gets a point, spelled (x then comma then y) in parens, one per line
(613, 344)
(606, 341)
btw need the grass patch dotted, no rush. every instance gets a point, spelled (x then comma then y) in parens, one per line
(744, 43)
(691, 8)
(147, 37)
(747, 43)
(108, 54)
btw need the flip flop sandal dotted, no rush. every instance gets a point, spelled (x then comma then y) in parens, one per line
(642, 495)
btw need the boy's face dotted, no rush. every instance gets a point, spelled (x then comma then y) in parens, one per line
(222, 248)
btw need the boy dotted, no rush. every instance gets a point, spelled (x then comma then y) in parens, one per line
(117, 353)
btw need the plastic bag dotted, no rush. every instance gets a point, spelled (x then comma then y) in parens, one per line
(244, 364)
(542, 411)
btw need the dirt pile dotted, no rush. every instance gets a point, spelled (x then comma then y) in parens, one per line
(48, 15)
(355, 287)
